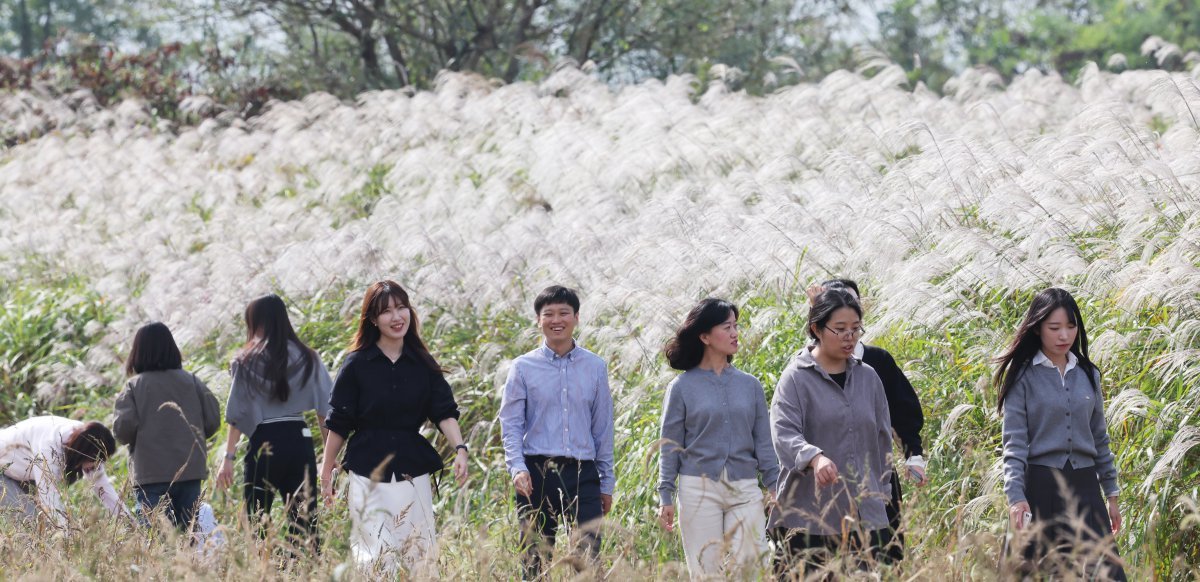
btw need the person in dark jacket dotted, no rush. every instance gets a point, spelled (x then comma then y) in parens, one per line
(907, 420)
(165, 415)
(388, 388)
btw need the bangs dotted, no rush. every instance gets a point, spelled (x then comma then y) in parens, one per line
(379, 302)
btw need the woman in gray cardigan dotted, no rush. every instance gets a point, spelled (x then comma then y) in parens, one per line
(1054, 432)
(165, 415)
(717, 441)
(832, 431)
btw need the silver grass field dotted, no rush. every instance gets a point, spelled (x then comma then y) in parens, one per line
(952, 211)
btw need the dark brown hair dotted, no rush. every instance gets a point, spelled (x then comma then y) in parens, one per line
(1027, 341)
(268, 331)
(153, 349)
(685, 350)
(376, 302)
(91, 442)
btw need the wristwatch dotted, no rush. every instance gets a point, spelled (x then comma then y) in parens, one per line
(463, 447)
(230, 457)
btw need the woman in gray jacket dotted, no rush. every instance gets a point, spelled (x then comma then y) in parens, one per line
(831, 428)
(165, 415)
(717, 442)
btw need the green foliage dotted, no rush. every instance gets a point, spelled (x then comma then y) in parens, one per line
(45, 324)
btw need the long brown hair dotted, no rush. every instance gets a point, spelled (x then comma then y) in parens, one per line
(1027, 341)
(268, 331)
(375, 302)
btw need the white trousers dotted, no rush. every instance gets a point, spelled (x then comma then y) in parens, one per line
(392, 525)
(724, 527)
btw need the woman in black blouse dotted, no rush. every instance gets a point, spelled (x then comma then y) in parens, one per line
(387, 388)
(907, 419)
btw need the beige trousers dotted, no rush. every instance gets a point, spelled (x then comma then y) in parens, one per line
(724, 527)
(392, 526)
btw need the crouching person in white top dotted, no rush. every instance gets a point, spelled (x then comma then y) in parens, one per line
(41, 454)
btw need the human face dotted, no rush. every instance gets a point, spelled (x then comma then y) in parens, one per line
(1058, 335)
(722, 339)
(840, 334)
(557, 322)
(393, 321)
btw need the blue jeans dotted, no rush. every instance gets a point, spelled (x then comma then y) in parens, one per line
(178, 500)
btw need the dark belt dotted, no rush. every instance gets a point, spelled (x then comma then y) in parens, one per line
(548, 460)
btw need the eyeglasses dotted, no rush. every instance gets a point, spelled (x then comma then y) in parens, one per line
(852, 333)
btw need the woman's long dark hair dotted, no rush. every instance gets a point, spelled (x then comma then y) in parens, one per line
(1027, 341)
(153, 349)
(376, 302)
(823, 306)
(685, 350)
(92, 442)
(268, 331)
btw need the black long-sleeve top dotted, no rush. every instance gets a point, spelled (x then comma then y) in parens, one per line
(381, 405)
(905, 407)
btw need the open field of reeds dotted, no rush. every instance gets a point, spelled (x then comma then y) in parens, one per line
(951, 211)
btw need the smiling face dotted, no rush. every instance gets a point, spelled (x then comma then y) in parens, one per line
(840, 334)
(722, 339)
(557, 322)
(393, 321)
(1058, 334)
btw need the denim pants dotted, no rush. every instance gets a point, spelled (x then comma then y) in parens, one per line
(178, 501)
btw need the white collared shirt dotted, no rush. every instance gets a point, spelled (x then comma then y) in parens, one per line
(1040, 359)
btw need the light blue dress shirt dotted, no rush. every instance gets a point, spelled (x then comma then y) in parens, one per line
(559, 406)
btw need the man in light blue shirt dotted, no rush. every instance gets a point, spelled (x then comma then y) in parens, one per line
(556, 420)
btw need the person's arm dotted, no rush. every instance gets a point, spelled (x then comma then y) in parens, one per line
(904, 406)
(450, 428)
(443, 412)
(210, 410)
(341, 423)
(125, 424)
(1106, 468)
(602, 435)
(883, 424)
(512, 423)
(764, 449)
(333, 447)
(787, 432)
(672, 435)
(1015, 440)
(46, 478)
(225, 473)
(103, 488)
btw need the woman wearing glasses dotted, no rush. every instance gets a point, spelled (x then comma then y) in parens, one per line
(832, 432)
(907, 420)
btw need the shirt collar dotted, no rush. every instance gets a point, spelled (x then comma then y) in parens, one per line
(1040, 359)
(859, 350)
(549, 354)
(371, 352)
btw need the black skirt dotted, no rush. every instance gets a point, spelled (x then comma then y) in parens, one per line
(1071, 522)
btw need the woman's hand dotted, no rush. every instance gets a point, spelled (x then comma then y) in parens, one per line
(460, 467)
(1114, 513)
(666, 517)
(825, 470)
(327, 487)
(1017, 513)
(225, 474)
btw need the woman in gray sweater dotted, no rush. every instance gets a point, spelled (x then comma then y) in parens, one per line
(832, 431)
(1055, 433)
(165, 415)
(717, 442)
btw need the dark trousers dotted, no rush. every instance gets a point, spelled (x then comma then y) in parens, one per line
(563, 490)
(799, 555)
(281, 460)
(892, 538)
(1071, 516)
(178, 501)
